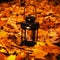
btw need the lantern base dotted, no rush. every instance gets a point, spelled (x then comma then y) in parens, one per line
(28, 43)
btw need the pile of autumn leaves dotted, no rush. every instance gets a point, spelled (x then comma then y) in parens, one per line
(48, 17)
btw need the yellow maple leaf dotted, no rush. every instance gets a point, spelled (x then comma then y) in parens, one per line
(3, 34)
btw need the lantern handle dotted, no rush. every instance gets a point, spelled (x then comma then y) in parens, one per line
(30, 5)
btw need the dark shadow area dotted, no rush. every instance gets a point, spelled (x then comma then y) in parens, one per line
(1, 1)
(55, 2)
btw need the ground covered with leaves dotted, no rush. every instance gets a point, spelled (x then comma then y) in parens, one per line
(48, 43)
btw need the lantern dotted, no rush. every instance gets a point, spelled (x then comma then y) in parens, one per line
(29, 33)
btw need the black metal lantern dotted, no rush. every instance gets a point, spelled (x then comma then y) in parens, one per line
(29, 31)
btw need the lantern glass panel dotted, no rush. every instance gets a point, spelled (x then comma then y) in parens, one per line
(30, 35)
